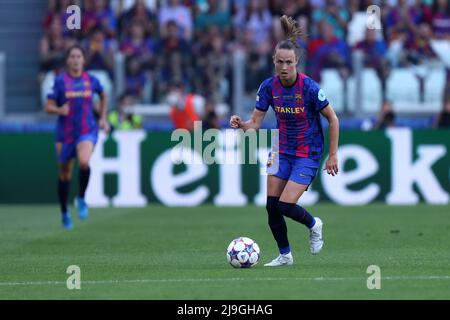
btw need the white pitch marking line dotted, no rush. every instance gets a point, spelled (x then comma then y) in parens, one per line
(41, 283)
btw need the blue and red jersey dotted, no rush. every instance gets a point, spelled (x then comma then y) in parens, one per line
(79, 94)
(297, 111)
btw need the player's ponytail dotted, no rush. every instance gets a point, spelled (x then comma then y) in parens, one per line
(291, 33)
(290, 29)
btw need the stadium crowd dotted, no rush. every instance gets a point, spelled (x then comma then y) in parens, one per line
(191, 41)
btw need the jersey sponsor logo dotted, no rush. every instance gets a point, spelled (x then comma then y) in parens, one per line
(276, 97)
(298, 96)
(321, 95)
(78, 94)
(289, 109)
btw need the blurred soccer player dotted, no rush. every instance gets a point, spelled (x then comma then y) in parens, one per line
(71, 99)
(297, 101)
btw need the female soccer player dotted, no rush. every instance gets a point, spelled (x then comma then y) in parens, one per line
(297, 101)
(71, 99)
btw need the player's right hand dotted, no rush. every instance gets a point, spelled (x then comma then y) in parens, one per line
(64, 110)
(235, 122)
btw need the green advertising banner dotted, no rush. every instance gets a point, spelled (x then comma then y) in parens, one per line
(137, 168)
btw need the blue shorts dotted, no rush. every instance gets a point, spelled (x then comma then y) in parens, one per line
(69, 150)
(288, 167)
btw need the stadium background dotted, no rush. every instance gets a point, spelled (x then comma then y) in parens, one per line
(150, 54)
(389, 86)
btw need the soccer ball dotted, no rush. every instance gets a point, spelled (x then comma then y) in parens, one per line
(243, 252)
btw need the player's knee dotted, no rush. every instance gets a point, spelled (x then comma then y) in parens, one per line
(64, 175)
(83, 164)
(272, 204)
(286, 209)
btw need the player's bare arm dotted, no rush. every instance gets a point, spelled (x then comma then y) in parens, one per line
(332, 162)
(254, 122)
(52, 108)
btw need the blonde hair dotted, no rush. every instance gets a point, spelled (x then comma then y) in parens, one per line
(290, 29)
(291, 33)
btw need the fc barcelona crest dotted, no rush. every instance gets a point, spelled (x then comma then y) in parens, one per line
(298, 96)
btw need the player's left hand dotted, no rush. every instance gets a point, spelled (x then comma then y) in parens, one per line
(332, 165)
(104, 125)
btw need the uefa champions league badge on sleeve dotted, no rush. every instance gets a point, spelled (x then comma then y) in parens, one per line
(321, 95)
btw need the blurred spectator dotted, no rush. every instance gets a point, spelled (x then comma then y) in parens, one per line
(98, 14)
(256, 20)
(122, 118)
(52, 12)
(179, 13)
(278, 7)
(139, 12)
(193, 42)
(440, 19)
(53, 47)
(213, 64)
(419, 53)
(175, 59)
(186, 108)
(334, 15)
(210, 118)
(374, 51)
(386, 118)
(135, 77)
(139, 46)
(173, 41)
(100, 52)
(328, 51)
(401, 21)
(214, 16)
(293, 8)
(304, 11)
(89, 20)
(355, 6)
(105, 17)
(257, 69)
(418, 45)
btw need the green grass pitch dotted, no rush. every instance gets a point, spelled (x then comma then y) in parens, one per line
(179, 253)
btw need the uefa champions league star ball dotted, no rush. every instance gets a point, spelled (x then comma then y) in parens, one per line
(243, 252)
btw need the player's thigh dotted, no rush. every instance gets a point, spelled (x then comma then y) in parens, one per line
(292, 192)
(278, 172)
(64, 166)
(84, 152)
(275, 186)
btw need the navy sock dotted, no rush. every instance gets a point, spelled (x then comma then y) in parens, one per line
(297, 213)
(63, 194)
(277, 225)
(83, 176)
